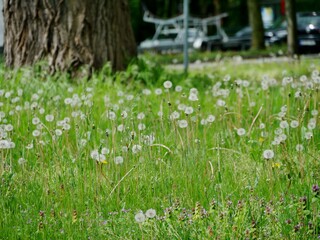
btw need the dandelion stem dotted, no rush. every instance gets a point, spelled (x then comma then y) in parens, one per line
(254, 120)
(115, 187)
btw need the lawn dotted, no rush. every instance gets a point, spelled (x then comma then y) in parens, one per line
(230, 152)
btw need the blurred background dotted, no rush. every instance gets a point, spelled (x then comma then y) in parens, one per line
(272, 12)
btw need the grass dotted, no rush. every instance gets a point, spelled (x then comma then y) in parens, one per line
(215, 56)
(196, 155)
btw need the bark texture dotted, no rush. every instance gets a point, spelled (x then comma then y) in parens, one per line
(68, 33)
(256, 24)
(292, 27)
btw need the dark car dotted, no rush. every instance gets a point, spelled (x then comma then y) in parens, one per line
(240, 41)
(308, 31)
(308, 34)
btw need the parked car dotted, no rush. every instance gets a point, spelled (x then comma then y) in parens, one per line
(308, 34)
(308, 31)
(240, 41)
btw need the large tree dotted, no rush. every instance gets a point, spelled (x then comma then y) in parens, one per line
(68, 33)
(256, 24)
(292, 27)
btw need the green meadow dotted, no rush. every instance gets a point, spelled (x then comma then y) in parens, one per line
(228, 152)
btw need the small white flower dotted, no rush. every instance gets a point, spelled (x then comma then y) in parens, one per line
(111, 115)
(294, 124)
(146, 91)
(284, 124)
(178, 88)
(308, 135)
(95, 154)
(136, 148)
(66, 127)
(120, 128)
(204, 122)
(221, 103)
(41, 111)
(188, 110)
(35, 121)
(299, 147)
(4, 144)
(282, 137)
(124, 114)
(118, 160)
(58, 132)
(21, 161)
(211, 119)
(314, 112)
(268, 154)
(151, 213)
(49, 118)
(140, 217)
(241, 131)
(193, 97)
(29, 146)
(174, 115)
(141, 126)
(36, 133)
(141, 116)
(158, 91)
(167, 84)
(183, 123)
(68, 101)
(8, 127)
(311, 125)
(105, 151)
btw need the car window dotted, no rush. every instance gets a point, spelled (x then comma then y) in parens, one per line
(308, 20)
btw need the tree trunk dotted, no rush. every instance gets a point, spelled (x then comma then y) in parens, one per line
(292, 27)
(217, 7)
(68, 33)
(256, 24)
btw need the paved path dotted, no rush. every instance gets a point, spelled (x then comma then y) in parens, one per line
(198, 65)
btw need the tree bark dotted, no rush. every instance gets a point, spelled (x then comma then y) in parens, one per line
(256, 24)
(292, 27)
(68, 33)
(217, 7)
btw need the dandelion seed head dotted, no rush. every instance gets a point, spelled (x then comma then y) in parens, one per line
(140, 217)
(141, 126)
(308, 135)
(284, 124)
(141, 116)
(268, 154)
(49, 118)
(158, 91)
(193, 97)
(21, 161)
(118, 160)
(314, 112)
(35, 121)
(299, 147)
(174, 115)
(136, 148)
(211, 119)
(183, 123)
(188, 110)
(36, 133)
(294, 124)
(178, 88)
(167, 84)
(241, 132)
(151, 213)
(146, 91)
